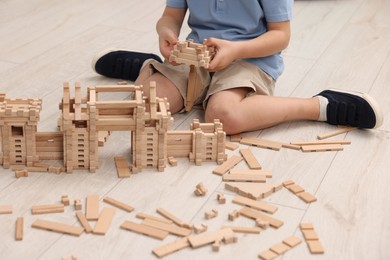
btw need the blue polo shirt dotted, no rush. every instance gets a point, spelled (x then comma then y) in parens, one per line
(236, 20)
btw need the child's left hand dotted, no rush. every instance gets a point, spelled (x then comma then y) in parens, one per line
(225, 53)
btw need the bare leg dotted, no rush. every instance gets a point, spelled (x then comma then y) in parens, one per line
(239, 113)
(165, 88)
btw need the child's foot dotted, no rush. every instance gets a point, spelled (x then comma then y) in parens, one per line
(121, 64)
(349, 108)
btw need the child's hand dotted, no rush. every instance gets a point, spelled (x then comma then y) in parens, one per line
(167, 39)
(225, 53)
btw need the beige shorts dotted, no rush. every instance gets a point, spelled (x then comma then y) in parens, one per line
(239, 74)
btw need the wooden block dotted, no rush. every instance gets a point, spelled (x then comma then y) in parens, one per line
(83, 221)
(260, 205)
(118, 204)
(172, 161)
(77, 204)
(315, 247)
(221, 198)
(209, 237)
(267, 174)
(233, 215)
(295, 188)
(242, 177)
(145, 230)
(262, 223)
(310, 234)
(46, 209)
(227, 165)
(211, 214)
(69, 257)
(92, 207)
(280, 248)
(65, 200)
(146, 216)
(122, 168)
(250, 159)
(175, 220)
(19, 229)
(200, 190)
(292, 241)
(235, 138)
(342, 130)
(171, 247)
(200, 228)
(104, 221)
(250, 230)
(322, 148)
(291, 146)
(253, 191)
(307, 197)
(306, 226)
(57, 227)
(262, 143)
(268, 255)
(5, 209)
(172, 229)
(231, 146)
(250, 213)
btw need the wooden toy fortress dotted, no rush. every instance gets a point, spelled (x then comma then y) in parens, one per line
(84, 123)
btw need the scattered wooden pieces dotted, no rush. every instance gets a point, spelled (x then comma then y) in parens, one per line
(254, 191)
(250, 213)
(227, 165)
(122, 168)
(211, 214)
(262, 143)
(250, 159)
(144, 229)
(104, 221)
(147, 216)
(92, 207)
(260, 205)
(19, 228)
(231, 146)
(171, 247)
(210, 237)
(57, 227)
(172, 229)
(83, 221)
(340, 131)
(311, 238)
(280, 248)
(170, 216)
(46, 209)
(221, 198)
(200, 190)
(118, 204)
(5, 209)
(299, 191)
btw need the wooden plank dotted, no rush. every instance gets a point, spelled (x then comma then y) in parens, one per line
(250, 230)
(147, 216)
(170, 216)
(19, 228)
(122, 168)
(262, 143)
(172, 229)
(104, 221)
(250, 213)
(260, 205)
(5, 209)
(253, 191)
(57, 227)
(322, 148)
(83, 221)
(340, 131)
(250, 159)
(244, 177)
(266, 173)
(322, 142)
(92, 207)
(145, 230)
(227, 165)
(48, 208)
(171, 247)
(209, 237)
(118, 204)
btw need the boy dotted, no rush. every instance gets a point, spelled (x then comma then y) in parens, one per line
(248, 37)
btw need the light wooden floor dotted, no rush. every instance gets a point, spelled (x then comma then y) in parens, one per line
(343, 44)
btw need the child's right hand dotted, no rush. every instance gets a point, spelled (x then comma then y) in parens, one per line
(167, 39)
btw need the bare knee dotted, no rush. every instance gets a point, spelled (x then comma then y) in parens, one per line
(226, 113)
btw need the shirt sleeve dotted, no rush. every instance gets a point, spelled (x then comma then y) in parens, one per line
(177, 3)
(277, 10)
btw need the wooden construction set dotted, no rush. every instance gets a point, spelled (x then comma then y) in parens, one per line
(84, 120)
